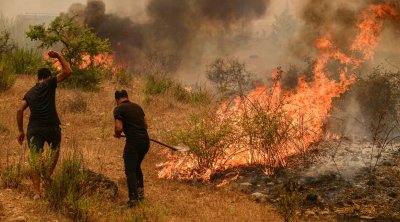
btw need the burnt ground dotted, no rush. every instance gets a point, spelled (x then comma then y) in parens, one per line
(332, 183)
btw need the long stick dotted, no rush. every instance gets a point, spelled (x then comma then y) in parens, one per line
(183, 149)
(168, 146)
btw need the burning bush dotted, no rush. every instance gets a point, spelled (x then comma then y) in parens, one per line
(208, 140)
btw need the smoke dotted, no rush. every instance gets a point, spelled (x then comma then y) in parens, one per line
(173, 28)
(339, 20)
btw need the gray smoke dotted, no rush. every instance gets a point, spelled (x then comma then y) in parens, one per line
(172, 27)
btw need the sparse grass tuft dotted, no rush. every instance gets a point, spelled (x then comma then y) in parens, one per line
(78, 104)
(7, 75)
(11, 177)
(289, 200)
(147, 211)
(123, 77)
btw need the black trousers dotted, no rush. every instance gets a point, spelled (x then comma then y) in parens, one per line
(134, 154)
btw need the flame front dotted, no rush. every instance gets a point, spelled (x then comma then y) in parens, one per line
(296, 117)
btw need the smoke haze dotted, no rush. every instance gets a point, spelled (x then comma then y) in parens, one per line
(189, 34)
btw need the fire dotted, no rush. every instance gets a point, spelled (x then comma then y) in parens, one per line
(105, 60)
(371, 26)
(294, 119)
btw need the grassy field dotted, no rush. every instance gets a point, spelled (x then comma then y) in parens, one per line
(87, 129)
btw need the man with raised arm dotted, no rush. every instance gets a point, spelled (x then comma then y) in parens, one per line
(44, 124)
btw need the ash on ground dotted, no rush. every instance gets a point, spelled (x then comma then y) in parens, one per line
(339, 180)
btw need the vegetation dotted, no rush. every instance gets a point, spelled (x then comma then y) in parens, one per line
(7, 75)
(207, 140)
(67, 192)
(7, 70)
(11, 177)
(230, 76)
(80, 46)
(159, 85)
(289, 200)
(26, 61)
(78, 104)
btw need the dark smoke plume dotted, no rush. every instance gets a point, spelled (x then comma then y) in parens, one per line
(171, 27)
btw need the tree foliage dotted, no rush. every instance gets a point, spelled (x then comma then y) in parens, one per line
(7, 70)
(77, 42)
(230, 76)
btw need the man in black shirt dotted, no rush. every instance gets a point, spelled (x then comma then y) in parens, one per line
(43, 122)
(130, 119)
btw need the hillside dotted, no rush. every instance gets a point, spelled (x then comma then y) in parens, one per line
(87, 129)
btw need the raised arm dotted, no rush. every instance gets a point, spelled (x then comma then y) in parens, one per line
(20, 121)
(66, 68)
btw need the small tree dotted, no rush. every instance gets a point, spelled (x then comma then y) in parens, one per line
(78, 42)
(7, 70)
(6, 43)
(230, 76)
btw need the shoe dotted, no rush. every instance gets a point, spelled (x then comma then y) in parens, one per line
(131, 204)
(140, 192)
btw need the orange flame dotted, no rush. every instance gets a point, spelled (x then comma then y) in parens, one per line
(301, 112)
(104, 60)
(371, 26)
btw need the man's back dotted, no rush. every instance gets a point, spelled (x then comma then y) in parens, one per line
(132, 116)
(41, 102)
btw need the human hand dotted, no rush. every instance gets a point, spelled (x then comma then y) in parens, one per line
(21, 137)
(53, 54)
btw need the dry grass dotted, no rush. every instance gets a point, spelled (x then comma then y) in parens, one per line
(90, 134)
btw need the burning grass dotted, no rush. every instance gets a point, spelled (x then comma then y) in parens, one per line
(270, 124)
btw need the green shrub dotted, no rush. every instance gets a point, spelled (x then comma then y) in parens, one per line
(67, 191)
(193, 96)
(7, 75)
(11, 177)
(26, 61)
(206, 139)
(86, 79)
(156, 85)
(123, 77)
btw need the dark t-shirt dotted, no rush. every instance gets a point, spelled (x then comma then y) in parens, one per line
(41, 100)
(132, 117)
